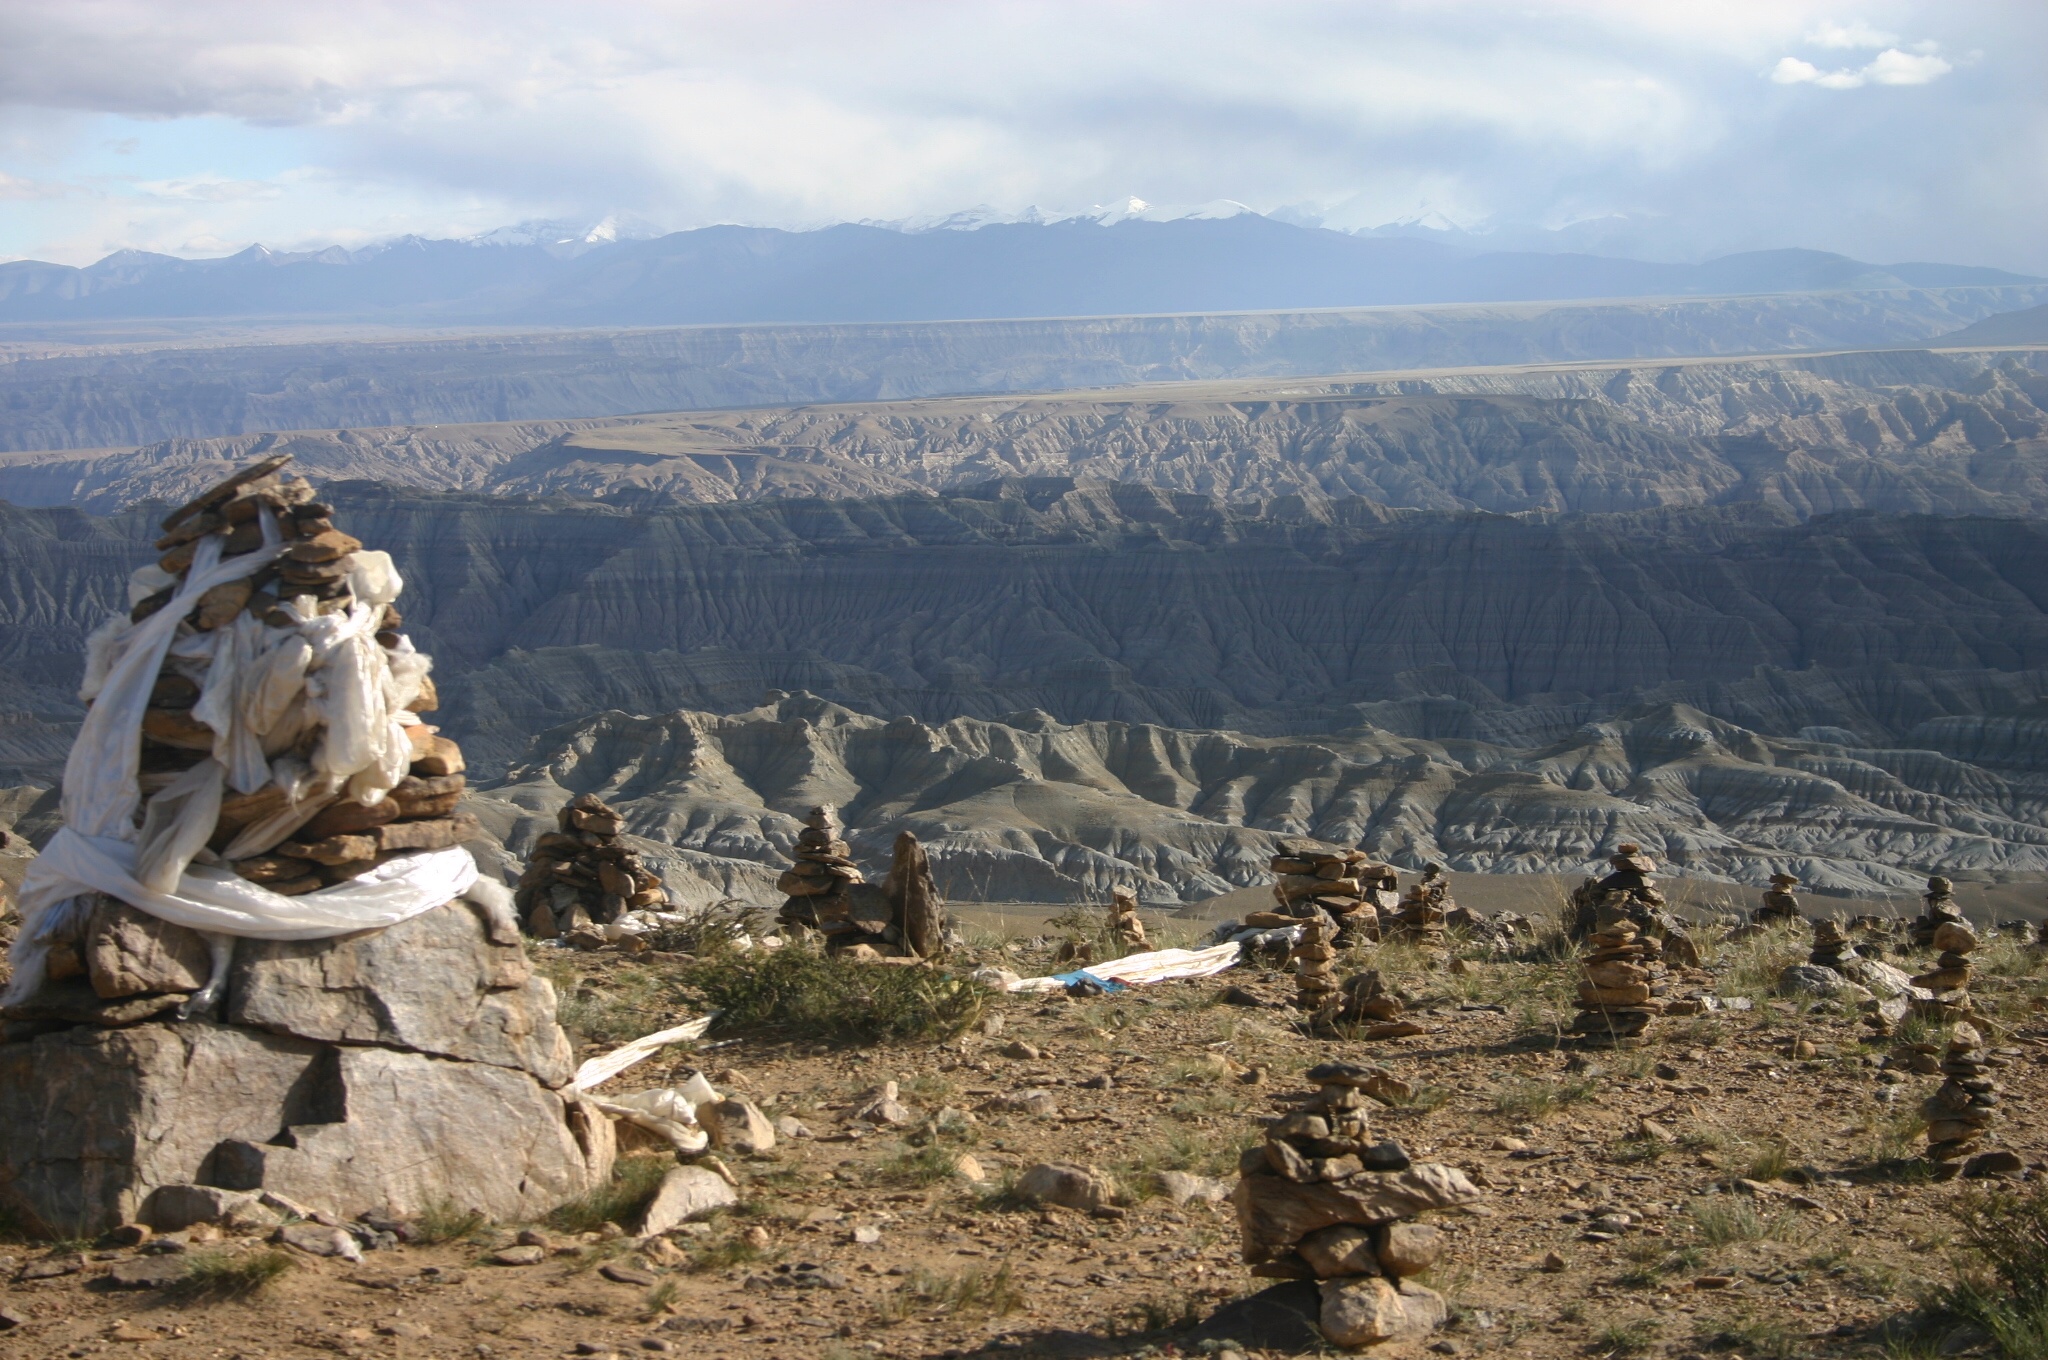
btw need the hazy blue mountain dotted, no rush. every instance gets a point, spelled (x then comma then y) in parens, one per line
(869, 273)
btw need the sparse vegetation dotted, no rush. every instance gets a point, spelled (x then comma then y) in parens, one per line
(1536, 1099)
(223, 1276)
(443, 1221)
(2001, 1280)
(619, 1200)
(800, 989)
(972, 1292)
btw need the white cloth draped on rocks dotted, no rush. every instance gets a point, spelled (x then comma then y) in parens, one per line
(262, 689)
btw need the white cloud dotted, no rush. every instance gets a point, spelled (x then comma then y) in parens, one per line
(1889, 67)
(1854, 34)
(1893, 67)
(303, 125)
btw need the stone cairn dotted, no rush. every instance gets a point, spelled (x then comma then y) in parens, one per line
(1320, 1200)
(1779, 903)
(316, 575)
(1422, 915)
(901, 919)
(1832, 947)
(380, 1072)
(1962, 1110)
(581, 875)
(1630, 891)
(1615, 1002)
(1939, 909)
(1949, 979)
(1365, 1008)
(1313, 958)
(1344, 885)
(1125, 927)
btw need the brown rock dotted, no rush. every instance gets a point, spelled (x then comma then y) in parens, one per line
(131, 953)
(341, 819)
(440, 756)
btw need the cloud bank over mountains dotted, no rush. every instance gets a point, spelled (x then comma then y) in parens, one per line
(1894, 131)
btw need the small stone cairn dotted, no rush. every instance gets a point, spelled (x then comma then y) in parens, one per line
(1832, 947)
(1423, 912)
(902, 919)
(1615, 1002)
(1124, 924)
(1365, 1008)
(1949, 979)
(1344, 885)
(1312, 956)
(1939, 909)
(1320, 1200)
(1962, 1110)
(581, 875)
(1779, 904)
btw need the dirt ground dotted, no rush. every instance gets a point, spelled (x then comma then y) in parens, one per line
(856, 1243)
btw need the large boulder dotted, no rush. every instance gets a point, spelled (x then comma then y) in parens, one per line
(441, 983)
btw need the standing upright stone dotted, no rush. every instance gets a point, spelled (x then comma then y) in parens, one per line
(914, 897)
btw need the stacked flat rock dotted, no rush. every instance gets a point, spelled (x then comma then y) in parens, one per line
(1630, 891)
(1314, 971)
(1949, 979)
(582, 875)
(1832, 948)
(902, 918)
(1365, 1008)
(1344, 885)
(1939, 908)
(1614, 1002)
(1423, 913)
(1320, 1200)
(2041, 935)
(262, 832)
(1779, 903)
(1961, 1112)
(1124, 924)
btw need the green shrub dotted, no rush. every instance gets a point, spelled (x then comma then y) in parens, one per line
(800, 989)
(2002, 1282)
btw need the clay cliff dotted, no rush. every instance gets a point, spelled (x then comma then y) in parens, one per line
(1916, 432)
(1032, 809)
(108, 387)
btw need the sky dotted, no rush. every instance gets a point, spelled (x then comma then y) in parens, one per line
(1887, 131)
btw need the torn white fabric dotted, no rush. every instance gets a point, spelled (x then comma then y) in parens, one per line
(1133, 970)
(601, 1069)
(665, 1111)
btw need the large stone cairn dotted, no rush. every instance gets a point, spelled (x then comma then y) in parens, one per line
(582, 875)
(1125, 926)
(1320, 1200)
(313, 575)
(1615, 1002)
(1628, 890)
(1961, 1111)
(1346, 886)
(1779, 904)
(382, 1072)
(1949, 979)
(903, 918)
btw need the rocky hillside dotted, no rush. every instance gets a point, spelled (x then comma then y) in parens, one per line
(1107, 601)
(162, 386)
(1032, 809)
(1906, 431)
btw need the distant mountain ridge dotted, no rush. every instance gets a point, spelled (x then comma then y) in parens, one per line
(1077, 266)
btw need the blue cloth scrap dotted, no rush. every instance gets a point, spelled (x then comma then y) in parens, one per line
(1084, 976)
